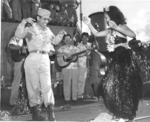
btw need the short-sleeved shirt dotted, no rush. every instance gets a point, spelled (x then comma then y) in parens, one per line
(16, 55)
(82, 60)
(16, 41)
(70, 49)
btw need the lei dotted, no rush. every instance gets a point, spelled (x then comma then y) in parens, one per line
(110, 40)
(41, 37)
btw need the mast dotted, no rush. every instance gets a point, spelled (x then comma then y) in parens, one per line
(81, 14)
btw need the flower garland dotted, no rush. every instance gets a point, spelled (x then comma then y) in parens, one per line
(40, 35)
(110, 40)
(44, 38)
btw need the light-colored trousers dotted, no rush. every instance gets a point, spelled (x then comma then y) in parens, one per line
(16, 82)
(38, 79)
(68, 86)
(82, 80)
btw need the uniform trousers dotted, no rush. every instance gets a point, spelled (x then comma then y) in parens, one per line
(38, 79)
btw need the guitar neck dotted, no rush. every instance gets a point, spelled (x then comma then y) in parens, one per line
(79, 53)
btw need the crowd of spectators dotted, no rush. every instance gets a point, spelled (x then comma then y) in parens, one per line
(63, 12)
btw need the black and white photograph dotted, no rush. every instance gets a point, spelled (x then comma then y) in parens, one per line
(75, 60)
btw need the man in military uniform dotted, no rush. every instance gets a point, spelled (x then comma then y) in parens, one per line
(37, 64)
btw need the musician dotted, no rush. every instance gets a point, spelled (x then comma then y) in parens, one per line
(82, 61)
(40, 40)
(17, 50)
(70, 72)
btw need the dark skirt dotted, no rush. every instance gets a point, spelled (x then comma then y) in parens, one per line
(122, 84)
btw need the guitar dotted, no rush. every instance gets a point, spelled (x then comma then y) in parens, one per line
(64, 61)
(18, 55)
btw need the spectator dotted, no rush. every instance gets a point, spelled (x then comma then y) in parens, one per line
(53, 12)
(16, 10)
(26, 8)
(64, 16)
(35, 5)
(72, 15)
(58, 17)
(5, 7)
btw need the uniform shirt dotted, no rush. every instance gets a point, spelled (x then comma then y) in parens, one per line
(36, 37)
(69, 49)
(82, 60)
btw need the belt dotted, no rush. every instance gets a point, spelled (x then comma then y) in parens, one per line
(38, 51)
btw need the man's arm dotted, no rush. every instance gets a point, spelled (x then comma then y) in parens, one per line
(21, 30)
(14, 47)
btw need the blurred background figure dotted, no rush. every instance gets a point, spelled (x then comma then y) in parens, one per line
(72, 15)
(35, 5)
(64, 16)
(63, 13)
(53, 12)
(58, 17)
(26, 8)
(16, 10)
(6, 11)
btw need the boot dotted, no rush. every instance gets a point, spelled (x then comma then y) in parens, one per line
(50, 110)
(36, 114)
